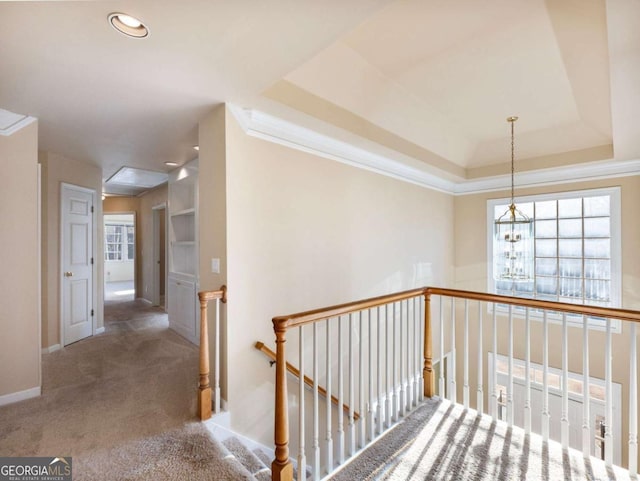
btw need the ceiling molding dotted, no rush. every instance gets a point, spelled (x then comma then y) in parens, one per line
(11, 122)
(273, 129)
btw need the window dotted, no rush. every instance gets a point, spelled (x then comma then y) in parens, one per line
(119, 242)
(576, 247)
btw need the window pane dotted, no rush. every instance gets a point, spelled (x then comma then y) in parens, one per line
(499, 211)
(597, 290)
(597, 227)
(570, 287)
(570, 247)
(594, 206)
(570, 227)
(526, 208)
(597, 269)
(570, 267)
(130, 253)
(546, 228)
(570, 208)
(546, 267)
(523, 289)
(547, 285)
(597, 248)
(546, 209)
(546, 248)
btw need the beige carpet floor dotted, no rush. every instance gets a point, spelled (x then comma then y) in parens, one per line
(133, 382)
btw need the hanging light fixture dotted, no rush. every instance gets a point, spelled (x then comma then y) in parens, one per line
(513, 255)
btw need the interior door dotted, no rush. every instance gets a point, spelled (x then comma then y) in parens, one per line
(77, 263)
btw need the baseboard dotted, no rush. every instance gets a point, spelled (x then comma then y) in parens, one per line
(50, 349)
(99, 330)
(14, 397)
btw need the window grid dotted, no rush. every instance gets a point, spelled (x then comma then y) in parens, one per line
(117, 245)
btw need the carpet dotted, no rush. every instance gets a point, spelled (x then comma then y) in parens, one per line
(443, 441)
(188, 453)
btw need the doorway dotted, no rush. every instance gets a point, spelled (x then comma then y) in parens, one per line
(119, 257)
(158, 295)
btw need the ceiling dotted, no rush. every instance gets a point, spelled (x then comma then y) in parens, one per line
(431, 80)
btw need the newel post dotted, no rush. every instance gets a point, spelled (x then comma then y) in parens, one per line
(204, 389)
(427, 371)
(281, 468)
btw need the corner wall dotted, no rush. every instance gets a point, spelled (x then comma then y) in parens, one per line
(19, 321)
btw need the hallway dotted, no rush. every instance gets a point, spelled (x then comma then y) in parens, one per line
(135, 380)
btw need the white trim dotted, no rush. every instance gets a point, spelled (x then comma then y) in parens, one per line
(99, 330)
(50, 349)
(14, 397)
(19, 125)
(273, 129)
(39, 260)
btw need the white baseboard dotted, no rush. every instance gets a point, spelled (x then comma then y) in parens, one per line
(50, 349)
(99, 330)
(14, 397)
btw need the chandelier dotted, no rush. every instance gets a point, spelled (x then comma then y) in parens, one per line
(513, 255)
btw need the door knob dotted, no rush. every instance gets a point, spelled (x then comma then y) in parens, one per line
(68, 274)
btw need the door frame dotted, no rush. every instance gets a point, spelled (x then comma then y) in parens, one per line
(136, 261)
(94, 249)
(155, 285)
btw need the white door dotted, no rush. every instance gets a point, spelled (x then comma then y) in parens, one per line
(77, 263)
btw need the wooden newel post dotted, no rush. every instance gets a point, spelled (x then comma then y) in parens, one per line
(204, 389)
(281, 468)
(427, 372)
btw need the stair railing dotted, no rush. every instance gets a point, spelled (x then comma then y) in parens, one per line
(394, 344)
(204, 388)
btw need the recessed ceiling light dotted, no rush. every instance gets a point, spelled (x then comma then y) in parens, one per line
(196, 147)
(171, 164)
(128, 25)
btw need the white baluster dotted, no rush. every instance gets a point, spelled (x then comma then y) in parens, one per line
(494, 372)
(453, 393)
(381, 402)
(564, 421)
(316, 407)
(363, 416)
(480, 393)
(510, 384)
(352, 399)
(340, 411)
(329, 438)
(608, 433)
(527, 374)
(396, 394)
(465, 378)
(371, 417)
(407, 358)
(546, 416)
(302, 459)
(216, 380)
(586, 395)
(420, 350)
(403, 392)
(633, 404)
(442, 361)
(389, 363)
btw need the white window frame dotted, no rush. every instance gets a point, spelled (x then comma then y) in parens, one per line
(616, 250)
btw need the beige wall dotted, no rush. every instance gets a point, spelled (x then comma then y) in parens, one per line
(19, 322)
(57, 169)
(306, 232)
(471, 274)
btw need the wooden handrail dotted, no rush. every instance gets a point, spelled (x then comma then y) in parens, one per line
(307, 380)
(204, 387)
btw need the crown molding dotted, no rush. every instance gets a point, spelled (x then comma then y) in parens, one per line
(273, 129)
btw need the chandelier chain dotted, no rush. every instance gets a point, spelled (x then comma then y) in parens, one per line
(512, 163)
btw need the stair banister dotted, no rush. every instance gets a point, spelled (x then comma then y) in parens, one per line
(204, 388)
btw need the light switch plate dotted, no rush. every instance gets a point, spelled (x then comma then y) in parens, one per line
(215, 266)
